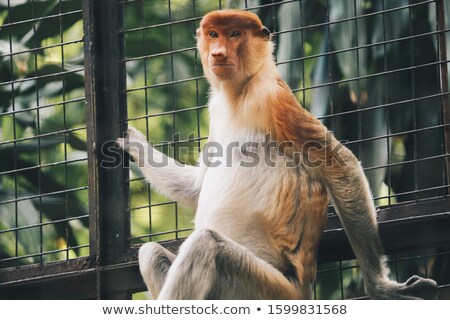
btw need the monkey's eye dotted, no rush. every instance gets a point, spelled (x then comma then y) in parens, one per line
(213, 34)
(235, 34)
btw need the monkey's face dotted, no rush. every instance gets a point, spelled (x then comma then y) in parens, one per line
(223, 48)
(228, 43)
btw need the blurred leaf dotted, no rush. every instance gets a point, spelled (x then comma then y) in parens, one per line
(76, 142)
(37, 181)
(5, 3)
(15, 3)
(52, 27)
(7, 150)
(47, 72)
(24, 11)
(27, 240)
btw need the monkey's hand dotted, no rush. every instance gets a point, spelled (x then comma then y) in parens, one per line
(413, 288)
(171, 178)
(135, 143)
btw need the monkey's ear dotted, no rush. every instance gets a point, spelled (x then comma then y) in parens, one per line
(264, 32)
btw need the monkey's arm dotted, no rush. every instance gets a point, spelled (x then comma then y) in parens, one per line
(170, 177)
(349, 190)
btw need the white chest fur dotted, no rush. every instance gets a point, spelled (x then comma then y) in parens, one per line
(239, 182)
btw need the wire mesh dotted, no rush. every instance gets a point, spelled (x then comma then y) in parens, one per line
(43, 167)
(166, 100)
(375, 72)
(370, 70)
(372, 80)
(343, 280)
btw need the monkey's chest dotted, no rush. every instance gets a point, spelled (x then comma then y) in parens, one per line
(240, 180)
(258, 201)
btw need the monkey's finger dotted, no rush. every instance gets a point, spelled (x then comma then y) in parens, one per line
(416, 287)
(416, 282)
(122, 143)
(135, 135)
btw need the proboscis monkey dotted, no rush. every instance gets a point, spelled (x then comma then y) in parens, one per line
(262, 186)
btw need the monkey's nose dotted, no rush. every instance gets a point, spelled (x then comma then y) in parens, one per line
(219, 57)
(219, 53)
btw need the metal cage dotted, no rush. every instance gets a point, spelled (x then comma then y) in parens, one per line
(74, 75)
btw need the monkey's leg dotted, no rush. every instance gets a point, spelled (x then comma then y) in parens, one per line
(154, 263)
(210, 266)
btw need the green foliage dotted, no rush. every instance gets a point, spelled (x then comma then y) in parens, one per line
(43, 167)
(43, 160)
(177, 119)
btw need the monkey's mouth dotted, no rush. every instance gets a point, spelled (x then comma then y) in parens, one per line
(220, 65)
(225, 71)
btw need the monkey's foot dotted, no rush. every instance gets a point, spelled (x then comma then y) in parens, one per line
(413, 288)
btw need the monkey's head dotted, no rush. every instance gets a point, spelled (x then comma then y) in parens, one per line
(233, 45)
